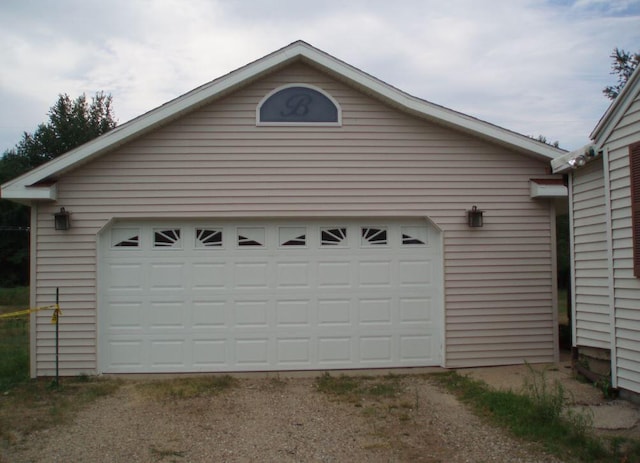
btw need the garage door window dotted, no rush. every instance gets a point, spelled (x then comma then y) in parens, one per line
(167, 238)
(251, 237)
(125, 238)
(412, 236)
(374, 236)
(333, 236)
(208, 238)
(293, 236)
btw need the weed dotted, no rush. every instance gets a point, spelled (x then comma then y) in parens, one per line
(548, 399)
(354, 387)
(14, 352)
(186, 388)
(538, 414)
(161, 453)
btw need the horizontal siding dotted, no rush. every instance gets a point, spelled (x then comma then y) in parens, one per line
(626, 285)
(215, 163)
(590, 253)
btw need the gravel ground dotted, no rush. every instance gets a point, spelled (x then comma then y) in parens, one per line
(276, 420)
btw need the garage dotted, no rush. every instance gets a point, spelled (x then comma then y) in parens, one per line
(189, 296)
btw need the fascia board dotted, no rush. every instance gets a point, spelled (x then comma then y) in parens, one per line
(28, 194)
(547, 191)
(434, 112)
(616, 110)
(560, 165)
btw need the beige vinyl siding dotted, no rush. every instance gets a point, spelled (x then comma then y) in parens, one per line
(591, 274)
(216, 162)
(626, 286)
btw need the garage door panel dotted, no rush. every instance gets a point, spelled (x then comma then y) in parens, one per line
(251, 275)
(252, 352)
(251, 314)
(374, 274)
(295, 275)
(293, 313)
(166, 276)
(415, 310)
(377, 349)
(166, 315)
(125, 277)
(334, 312)
(416, 347)
(375, 311)
(167, 353)
(294, 352)
(126, 316)
(182, 296)
(415, 273)
(334, 274)
(208, 276)
(210, 354)
(334, 350)
(209, 314)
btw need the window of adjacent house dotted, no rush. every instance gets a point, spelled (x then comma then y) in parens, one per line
(634, 166)
(298, 104)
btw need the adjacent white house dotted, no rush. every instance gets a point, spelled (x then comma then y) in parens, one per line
(295, 214)
(604, 202)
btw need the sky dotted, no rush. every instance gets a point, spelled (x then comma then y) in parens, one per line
(536, 67)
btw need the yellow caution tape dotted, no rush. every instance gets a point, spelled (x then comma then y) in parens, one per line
(28, 311)
(56, 312)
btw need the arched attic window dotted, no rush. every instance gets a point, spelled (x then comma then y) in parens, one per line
(299, 104)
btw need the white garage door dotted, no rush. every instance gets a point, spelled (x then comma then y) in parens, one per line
(246, 296)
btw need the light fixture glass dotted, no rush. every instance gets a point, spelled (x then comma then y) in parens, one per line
(62, 220)
(474, 217)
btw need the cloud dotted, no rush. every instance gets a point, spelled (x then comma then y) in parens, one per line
(533, 66)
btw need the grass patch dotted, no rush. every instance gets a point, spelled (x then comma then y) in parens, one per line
(540, 414)
(14, 352)
(15, 297)
(186, 388)
(14, 338)
(357, 387)
(35, 405)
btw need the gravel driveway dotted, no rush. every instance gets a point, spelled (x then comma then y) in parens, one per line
(276, 420)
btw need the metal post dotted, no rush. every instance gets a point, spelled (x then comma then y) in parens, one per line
(57, 332)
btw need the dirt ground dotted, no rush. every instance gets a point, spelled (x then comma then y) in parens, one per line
(285, 419)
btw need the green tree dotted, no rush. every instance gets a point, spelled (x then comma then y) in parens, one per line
(623, 64)
(71, 123)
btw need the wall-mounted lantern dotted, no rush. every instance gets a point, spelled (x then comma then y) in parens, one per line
(474, 217)
(62, 220)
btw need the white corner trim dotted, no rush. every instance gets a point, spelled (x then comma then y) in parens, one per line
(613, 335)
